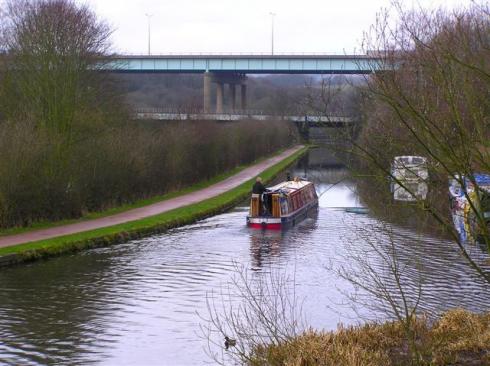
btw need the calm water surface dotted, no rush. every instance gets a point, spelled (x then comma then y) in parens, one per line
(139, 303)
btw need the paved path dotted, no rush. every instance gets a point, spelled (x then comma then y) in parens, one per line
(150, 210)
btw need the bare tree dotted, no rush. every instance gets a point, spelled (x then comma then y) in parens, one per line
(256, 310)
(53, 48)
(431, 99)
(384, 282)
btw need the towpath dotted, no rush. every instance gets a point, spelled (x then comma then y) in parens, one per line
(150, 210)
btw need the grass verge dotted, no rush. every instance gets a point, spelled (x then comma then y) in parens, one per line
(140, 228)
(459, 337)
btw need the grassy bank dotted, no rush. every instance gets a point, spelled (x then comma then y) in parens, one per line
(140, 228)
(457, 338)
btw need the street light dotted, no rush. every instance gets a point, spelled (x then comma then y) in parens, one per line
(272, 33)
(149, 32)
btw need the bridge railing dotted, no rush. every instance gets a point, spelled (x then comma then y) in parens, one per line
(331, 53)
(192, 110)
(168, 114)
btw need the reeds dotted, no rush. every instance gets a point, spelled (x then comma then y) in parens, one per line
(459, 337)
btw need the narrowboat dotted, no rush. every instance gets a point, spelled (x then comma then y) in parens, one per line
(412, 172)
(283, 205)
(461, 192)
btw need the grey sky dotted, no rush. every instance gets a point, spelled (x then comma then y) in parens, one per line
(243, 26)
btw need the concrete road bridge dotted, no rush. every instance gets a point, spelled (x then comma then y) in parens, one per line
(232, 69)
(312, 128)
(311, 120)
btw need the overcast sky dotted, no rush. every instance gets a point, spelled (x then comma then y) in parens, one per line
(243, 25)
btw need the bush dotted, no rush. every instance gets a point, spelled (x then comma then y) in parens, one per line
(43, 179)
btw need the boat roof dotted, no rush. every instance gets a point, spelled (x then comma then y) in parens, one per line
(482, 179)
(289, 186)
(409, 161)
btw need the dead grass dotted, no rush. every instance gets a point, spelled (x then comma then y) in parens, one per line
(457, 338)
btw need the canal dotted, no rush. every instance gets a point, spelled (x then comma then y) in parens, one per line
(143, 303)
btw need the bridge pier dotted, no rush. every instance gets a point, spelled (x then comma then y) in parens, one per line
(233, 97)
(219, 97)
(243, 96)
(232, 79)
(304, 130)
(207, 92)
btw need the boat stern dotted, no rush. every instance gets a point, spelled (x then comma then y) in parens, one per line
(264, 222)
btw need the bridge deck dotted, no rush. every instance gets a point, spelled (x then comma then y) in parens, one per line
(252, 64)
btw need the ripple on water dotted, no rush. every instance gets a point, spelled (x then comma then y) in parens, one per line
(143, 302)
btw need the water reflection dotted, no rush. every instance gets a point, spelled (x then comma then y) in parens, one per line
(264, 244)
(267, 246)
(138, 303)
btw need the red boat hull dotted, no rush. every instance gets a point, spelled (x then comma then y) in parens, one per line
(265, 226)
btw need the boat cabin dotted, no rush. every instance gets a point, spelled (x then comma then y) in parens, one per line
(282, 203)
(466, 201)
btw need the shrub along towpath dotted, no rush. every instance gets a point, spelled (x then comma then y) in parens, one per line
(143, 221)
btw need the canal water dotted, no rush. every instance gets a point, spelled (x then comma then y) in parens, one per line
(143, 303)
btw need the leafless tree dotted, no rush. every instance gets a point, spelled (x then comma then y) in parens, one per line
(53, 50)
(431, 99)
(384, 282)
(256, 310)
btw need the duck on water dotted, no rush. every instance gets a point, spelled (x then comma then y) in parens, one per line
(281, 206)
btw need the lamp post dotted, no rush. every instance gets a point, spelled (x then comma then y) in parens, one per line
(149, 33)
(272, 31)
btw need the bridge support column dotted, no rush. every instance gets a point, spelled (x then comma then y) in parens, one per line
(233, 96)
(220, 79)
(219, 97)
(207, 92)
(303, 129)
(243, 97)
